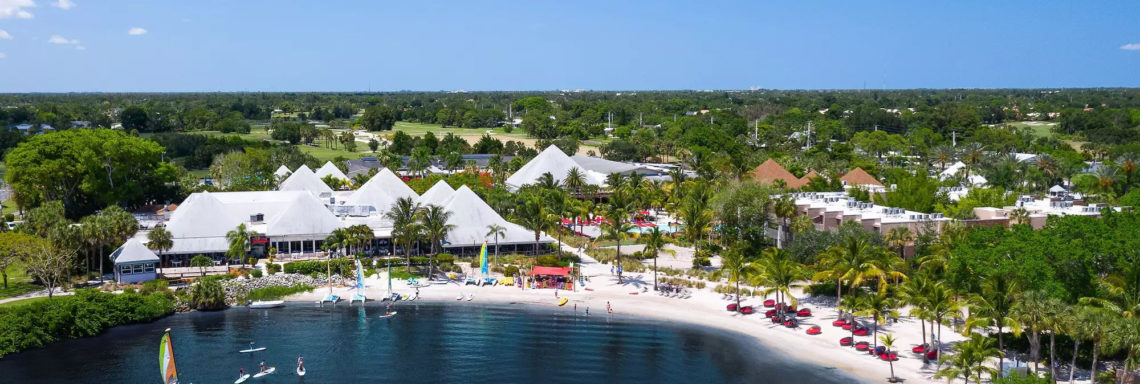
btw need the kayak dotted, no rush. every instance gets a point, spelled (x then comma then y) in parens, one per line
(563, 301)
(300, 371)
(258, 349)
(387, 315)
(266, 304)
(268, 371)
(242, 379)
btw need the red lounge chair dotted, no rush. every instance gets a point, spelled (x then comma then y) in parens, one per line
(847, 327)
(731, 307)
(804, 313)
(846, 341)
(862, 346)
(814, 330)
(770, 313)
(746, 310)
(769, 303)
(791, 323)
(777, 319)
(861, 332)
(919, 349)
(932, 355)
(889, 356)
(839, 323)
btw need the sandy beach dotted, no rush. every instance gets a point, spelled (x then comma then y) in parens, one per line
(635, 297)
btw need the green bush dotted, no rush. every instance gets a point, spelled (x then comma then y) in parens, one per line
(549, 261)
(343, 267)
(87, 313)
(445, 258)
(276, 293)
(511, 270)
(208, 295)
(255, 273)
(273, 268)
(1024, 379)
(153, 286)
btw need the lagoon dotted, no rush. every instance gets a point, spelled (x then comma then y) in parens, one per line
(424, 343)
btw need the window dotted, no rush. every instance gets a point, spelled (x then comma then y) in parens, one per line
(149, 267)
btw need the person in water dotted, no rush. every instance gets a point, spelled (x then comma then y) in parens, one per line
(241, 372)
(263, 366)
(251, 345)
(300, 363)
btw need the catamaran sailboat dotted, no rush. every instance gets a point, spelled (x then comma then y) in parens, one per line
(359, 295)
(166, 359)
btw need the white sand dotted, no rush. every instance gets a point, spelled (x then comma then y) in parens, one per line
(704, 308)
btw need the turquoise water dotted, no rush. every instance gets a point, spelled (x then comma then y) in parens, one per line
(424, 343)
(664, 228)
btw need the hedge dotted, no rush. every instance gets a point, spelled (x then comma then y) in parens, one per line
(87, 313)
(343, 267)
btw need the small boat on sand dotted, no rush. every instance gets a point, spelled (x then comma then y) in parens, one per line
(266, 304)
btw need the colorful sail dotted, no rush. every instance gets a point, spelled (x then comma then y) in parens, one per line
(166, 360)
(483, 258)
(359, 276)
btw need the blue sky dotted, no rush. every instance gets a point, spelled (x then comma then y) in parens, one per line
(205, 45)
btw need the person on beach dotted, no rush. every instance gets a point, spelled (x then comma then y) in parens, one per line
(587, 311)
(555, 292)
(609, 309)
(611, 269)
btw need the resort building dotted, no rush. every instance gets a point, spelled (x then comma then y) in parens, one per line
(829, 210)
(1036, 212)
(134, 262)
(296, 219)
(771, 172)
(594, 169)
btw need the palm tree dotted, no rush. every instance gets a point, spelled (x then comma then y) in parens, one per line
(1106, 176)
(94, 231)
(618, 211)
(1096, 325)
(496, 231)
(738, 269)
(696, 215)
(784, 208)
(942, 303)
(617, 231)
(532, 214)
(654, 241)
(159, 239)
(878, 307)
(434, 220)
(546, 181)
(1128, 163)
(201, 262)
(779, 274)
(969, 360)
(899, 237)
(994, 307)
(855, 261)
(888, 343)
(118, 226)
(404, 227)
(239, 242)
(337, 240)
(853, 304)
(615, 181)
(1121, 290)
(1033, 310)
(972, 155)
(914, 293)
(575, 180)
(942, 155)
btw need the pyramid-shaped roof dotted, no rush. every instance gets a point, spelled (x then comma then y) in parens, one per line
(303, 166)
(806, 179)
(133, 251)
(306, 216)
(859, 177)
(303, 179)
(282, 171)
(551, 160)
(770, 171)
(381, 191)
(438, 194)
(200, 225)
(330, 169)
(471, 215)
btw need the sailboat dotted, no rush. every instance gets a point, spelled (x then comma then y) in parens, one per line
(331, 298)
(486, 277)
(166, 359)
(359, 296)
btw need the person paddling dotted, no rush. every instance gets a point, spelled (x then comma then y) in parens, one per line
(262, 366)
(300, 363)
(241, 373)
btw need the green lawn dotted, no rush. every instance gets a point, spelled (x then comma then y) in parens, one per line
(17, 282)
(324, 154)
(1039, 129)
(20, 303)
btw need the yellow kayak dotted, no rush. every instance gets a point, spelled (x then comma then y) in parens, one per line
(562, 301)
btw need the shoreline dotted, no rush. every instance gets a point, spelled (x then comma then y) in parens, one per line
(703, 309)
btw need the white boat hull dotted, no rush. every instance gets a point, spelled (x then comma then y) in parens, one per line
(266, 304)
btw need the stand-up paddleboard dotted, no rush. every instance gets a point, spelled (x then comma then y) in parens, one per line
(388, 315)
(300, 371)
(268, 371)
(258, 349)
(242, 379)
(470, 297)
(460, 297)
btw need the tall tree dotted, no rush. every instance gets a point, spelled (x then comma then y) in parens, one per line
(434, 220)
(159, 239)
(403, 216)
(994, 308)
(238, 239)
(497, 232)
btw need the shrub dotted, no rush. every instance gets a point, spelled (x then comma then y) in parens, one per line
(273, 268)
(511, 270)
(276, 293)
(87, 313)
(256, 273)
(208, 295)
(343, 267)
(445, 258)
(154, 286)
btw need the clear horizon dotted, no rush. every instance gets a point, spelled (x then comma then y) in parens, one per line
(81, 46)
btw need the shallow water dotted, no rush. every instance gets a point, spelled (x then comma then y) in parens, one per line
(424, 343)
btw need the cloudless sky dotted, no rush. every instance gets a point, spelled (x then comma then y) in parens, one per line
(284, 45)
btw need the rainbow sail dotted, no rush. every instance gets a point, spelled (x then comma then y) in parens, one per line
(166, 360)
(483, 259)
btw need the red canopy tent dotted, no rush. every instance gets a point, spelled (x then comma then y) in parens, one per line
(552, 277)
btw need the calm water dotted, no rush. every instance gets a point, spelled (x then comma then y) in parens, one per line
(425, 343)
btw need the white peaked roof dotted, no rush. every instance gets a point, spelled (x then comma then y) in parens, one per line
(552, 160)
(1057, 189)
(471, 215)
(303, 179)
(200, 224)
(303, 166)
(381, 191)
(330, 169)
(438, 194)
(282, 171)
(133, 251)
(305, 216)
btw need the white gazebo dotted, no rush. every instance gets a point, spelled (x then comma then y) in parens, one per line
(134, 262)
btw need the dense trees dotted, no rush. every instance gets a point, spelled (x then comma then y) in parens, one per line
(86, 169)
